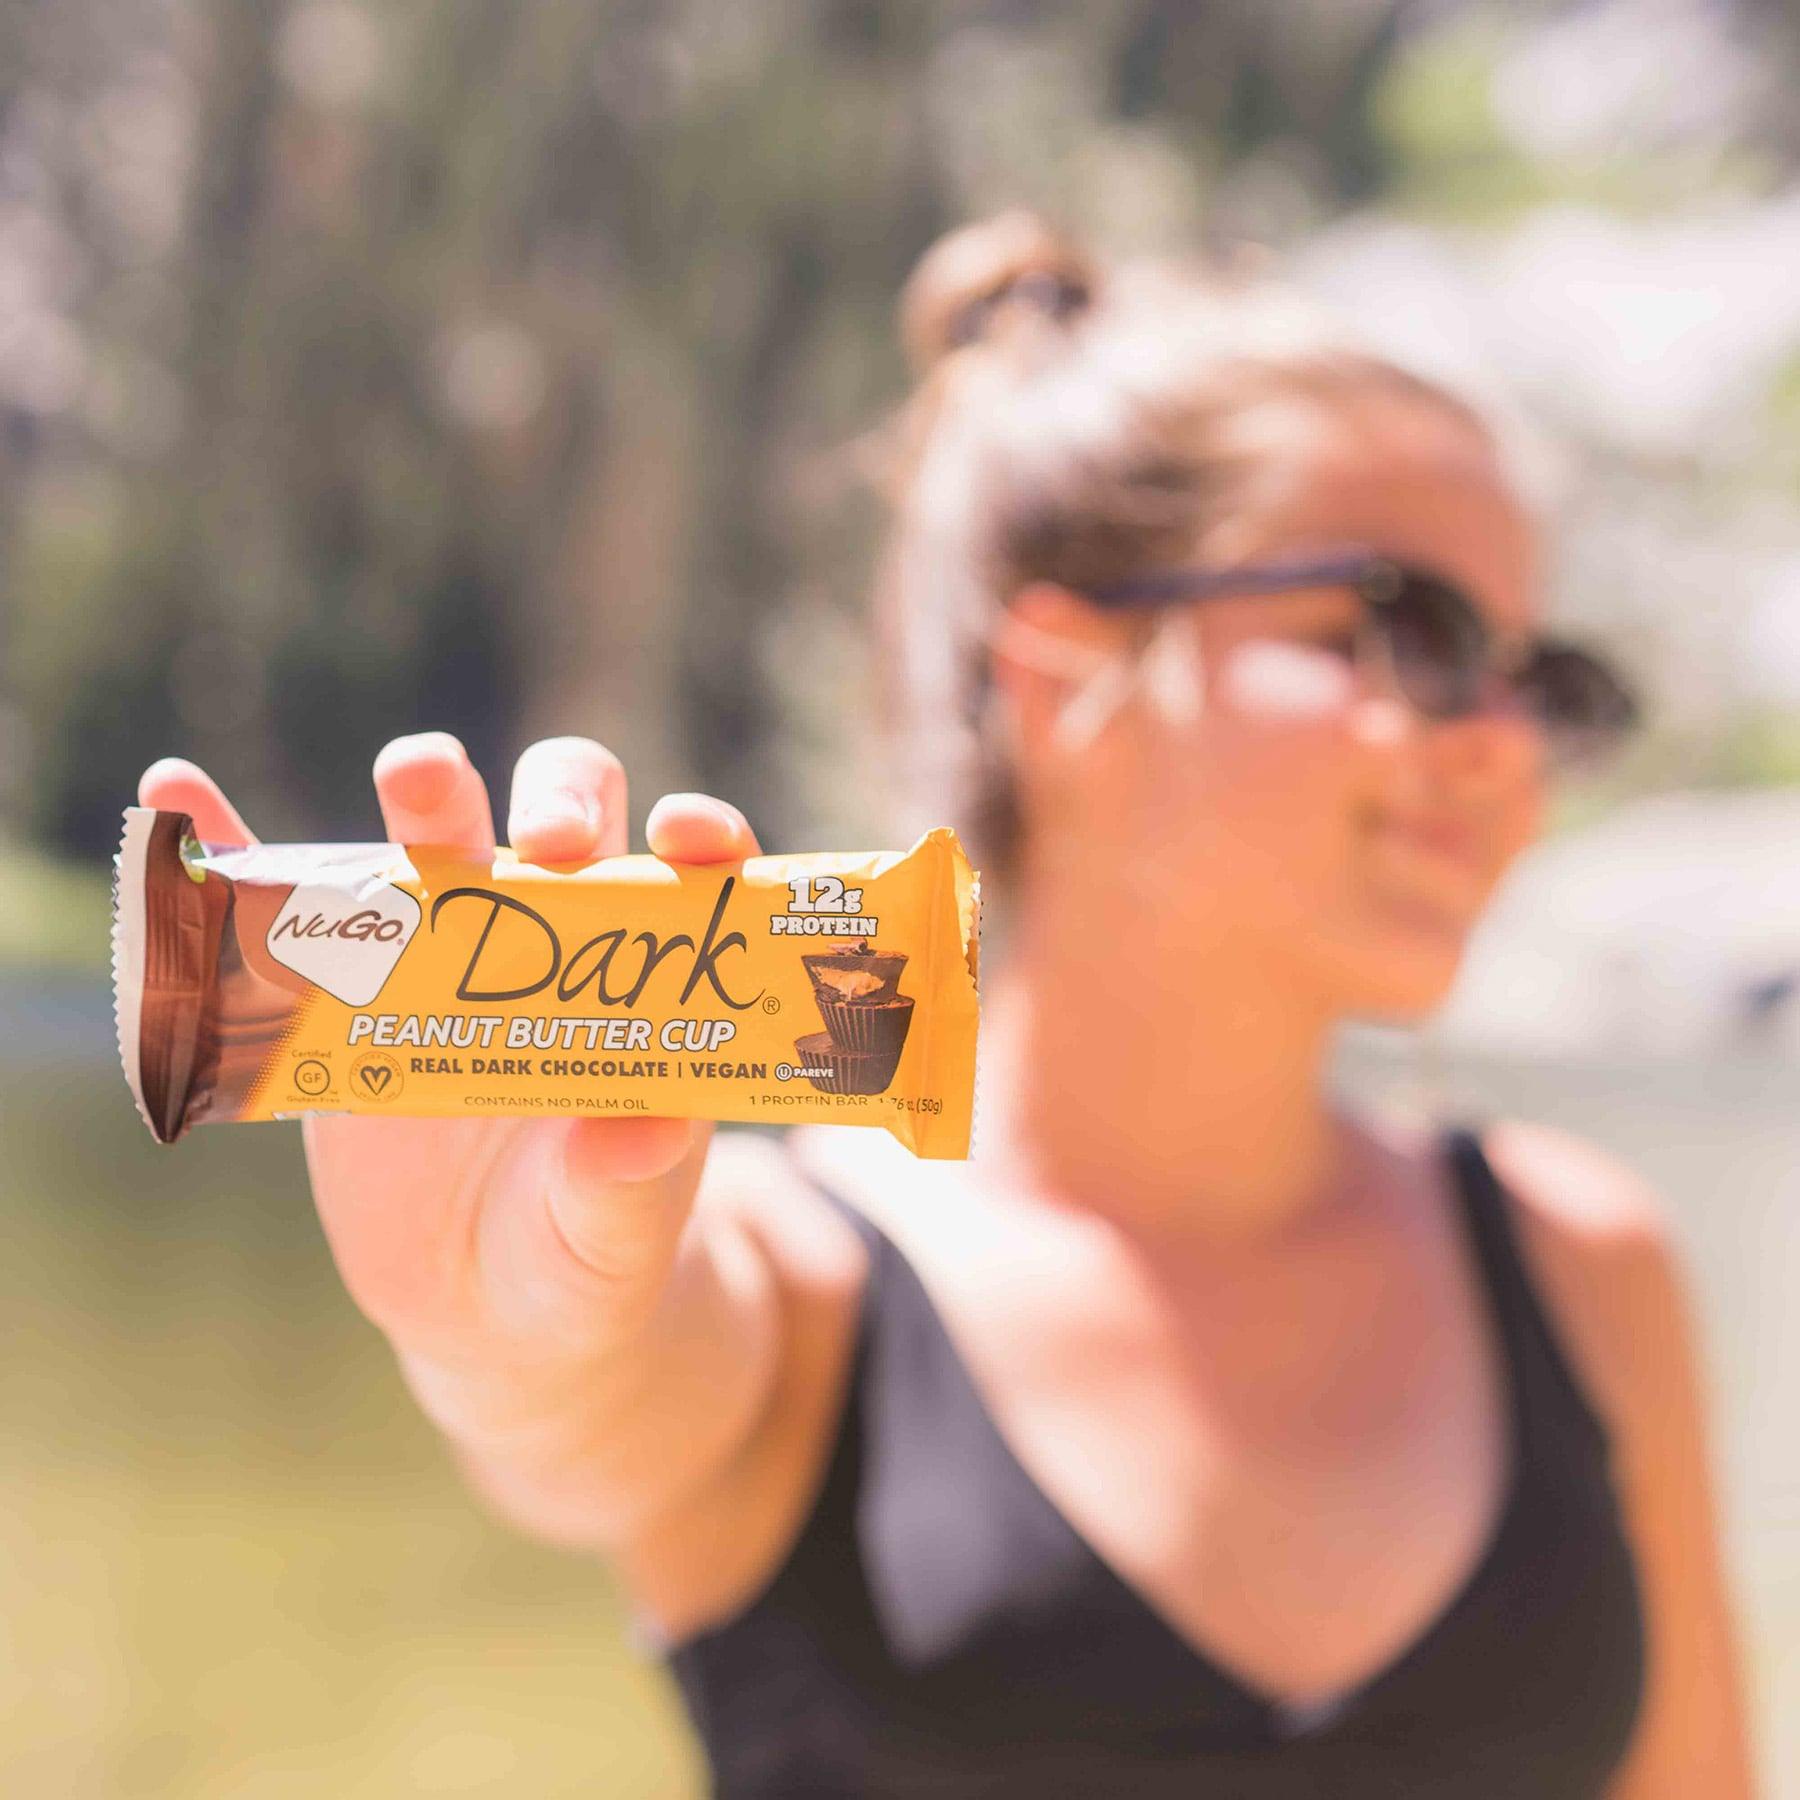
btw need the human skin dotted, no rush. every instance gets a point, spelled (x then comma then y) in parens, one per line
(634, 1332)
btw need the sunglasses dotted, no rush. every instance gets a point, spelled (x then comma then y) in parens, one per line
(1432, 642)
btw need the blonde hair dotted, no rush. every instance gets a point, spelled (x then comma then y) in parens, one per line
(1071, 423)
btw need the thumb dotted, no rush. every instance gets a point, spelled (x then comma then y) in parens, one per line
(576, 1247)
(617, 1203)
(598, 1153)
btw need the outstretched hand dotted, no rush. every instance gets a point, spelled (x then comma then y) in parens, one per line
(478, 1242)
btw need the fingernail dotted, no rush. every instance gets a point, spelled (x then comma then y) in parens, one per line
(169, 768)
(427, 765)
(560, 810)
(435, 743)
(725, 816)
(702, 806)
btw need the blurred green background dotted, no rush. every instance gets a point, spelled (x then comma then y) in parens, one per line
(366, 368)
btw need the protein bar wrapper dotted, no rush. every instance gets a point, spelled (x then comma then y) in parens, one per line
(283, 979)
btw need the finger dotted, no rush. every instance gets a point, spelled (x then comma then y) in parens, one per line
(569, 802)
(697, 828)
(176, 785)
(430, 793)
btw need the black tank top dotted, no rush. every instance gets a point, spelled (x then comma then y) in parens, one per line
(939, 1628)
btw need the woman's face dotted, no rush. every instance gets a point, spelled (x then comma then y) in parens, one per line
(1336, 844)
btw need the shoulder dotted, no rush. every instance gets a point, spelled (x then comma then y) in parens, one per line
(1595, 1235)
(1596, 1239)
(1580, 1200)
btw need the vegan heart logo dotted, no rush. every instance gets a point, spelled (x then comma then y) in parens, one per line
(375, 1077)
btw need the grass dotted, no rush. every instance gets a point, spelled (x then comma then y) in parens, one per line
(54, 915)
(234, 1563)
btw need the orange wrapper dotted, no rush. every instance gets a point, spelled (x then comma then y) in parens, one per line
(283, 979)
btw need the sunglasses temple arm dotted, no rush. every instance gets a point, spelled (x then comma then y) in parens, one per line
(1104, 677)
(1344, 568)
(1050, 653)
(1168, 667)
(1083, 716)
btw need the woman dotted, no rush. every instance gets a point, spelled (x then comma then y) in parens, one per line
(1199, 1435)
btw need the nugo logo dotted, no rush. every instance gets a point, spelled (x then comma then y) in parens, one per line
(359, 927)
(345, 940)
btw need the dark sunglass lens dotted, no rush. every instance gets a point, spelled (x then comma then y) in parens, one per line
(1585, 708)
(1437, 644)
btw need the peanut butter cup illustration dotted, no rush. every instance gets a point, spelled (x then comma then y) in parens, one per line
(866, 1018)
(844, 1071)
(849, 970)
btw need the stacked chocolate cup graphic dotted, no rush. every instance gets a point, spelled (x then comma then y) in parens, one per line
(866, 1019)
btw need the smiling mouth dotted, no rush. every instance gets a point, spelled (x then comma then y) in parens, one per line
(1443, 840)
(1434, 870)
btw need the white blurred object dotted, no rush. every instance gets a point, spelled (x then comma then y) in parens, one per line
(1270, 679)
(1658, 332)
(1083, 716)
(330, 53)
(1170, 670)
(1672, 928)
(1768, 646)
(1658, 337)
(1628, 77)
(493, 375)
